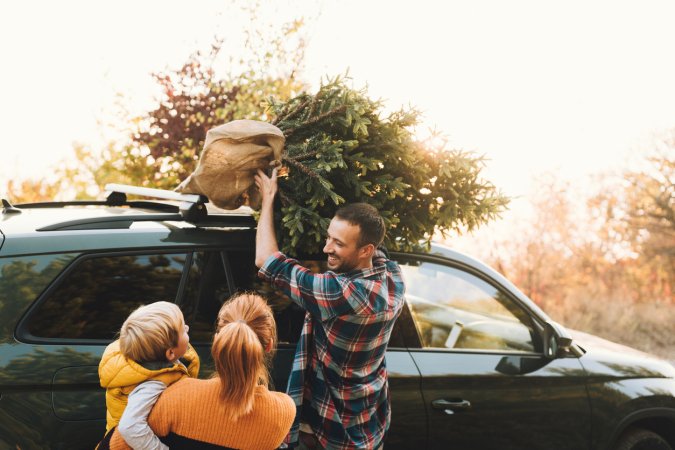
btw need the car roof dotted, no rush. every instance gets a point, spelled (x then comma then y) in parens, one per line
(53, 227)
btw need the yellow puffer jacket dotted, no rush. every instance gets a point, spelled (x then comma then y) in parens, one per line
(120, 375)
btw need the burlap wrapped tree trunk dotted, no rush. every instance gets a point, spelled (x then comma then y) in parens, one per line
(232, 154)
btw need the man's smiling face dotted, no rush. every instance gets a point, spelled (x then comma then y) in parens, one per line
(342, 246)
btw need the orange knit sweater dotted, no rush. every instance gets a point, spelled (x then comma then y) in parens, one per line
(192, 411)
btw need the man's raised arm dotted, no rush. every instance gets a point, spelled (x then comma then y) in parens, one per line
(265, 238)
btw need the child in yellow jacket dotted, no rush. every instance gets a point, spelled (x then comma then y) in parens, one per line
(152, 342)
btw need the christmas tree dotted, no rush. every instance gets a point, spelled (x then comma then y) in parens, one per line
(339, 149)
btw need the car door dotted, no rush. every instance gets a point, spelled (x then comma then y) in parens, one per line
(485, 380)
(63, 334)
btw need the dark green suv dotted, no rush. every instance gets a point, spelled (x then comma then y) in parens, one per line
(473, 363)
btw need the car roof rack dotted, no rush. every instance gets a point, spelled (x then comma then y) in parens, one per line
(191, 207)
(159, 206)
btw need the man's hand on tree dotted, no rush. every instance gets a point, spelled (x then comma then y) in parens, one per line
(266, 185)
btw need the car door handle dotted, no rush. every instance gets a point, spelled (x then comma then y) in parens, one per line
(451, 407)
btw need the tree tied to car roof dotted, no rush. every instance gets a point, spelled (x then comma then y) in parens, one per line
(341, 148)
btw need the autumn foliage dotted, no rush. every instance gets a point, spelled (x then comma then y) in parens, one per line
(607, 266)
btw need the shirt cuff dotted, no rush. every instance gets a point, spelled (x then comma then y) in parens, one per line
(267, 270)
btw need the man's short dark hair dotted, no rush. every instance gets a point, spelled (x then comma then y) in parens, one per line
(369, 220)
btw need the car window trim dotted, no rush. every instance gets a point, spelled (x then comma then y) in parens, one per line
(225, 259)
(476, 351)
(406, 316)
(182, 285)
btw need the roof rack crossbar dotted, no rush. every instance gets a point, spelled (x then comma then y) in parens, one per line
(156, 193)
(191, 205)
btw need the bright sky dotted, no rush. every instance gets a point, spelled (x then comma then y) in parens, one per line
(574, 87)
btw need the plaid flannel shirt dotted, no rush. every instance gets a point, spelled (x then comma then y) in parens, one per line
(339, 378)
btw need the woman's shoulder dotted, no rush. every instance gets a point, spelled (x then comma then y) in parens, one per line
(279, 402)
(273, 396)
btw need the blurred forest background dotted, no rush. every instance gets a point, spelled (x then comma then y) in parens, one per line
(601, 260)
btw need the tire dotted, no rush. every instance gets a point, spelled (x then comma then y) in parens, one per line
(641, 439)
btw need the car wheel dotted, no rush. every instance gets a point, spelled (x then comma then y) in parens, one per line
(641, 439)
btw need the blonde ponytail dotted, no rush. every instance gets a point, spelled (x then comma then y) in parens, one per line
(244, 331)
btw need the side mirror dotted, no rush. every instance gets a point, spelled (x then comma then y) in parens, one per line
(556, 340)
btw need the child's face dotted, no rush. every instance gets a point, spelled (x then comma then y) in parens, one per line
(180, 349)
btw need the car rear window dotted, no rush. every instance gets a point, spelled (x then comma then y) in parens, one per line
(94, 298)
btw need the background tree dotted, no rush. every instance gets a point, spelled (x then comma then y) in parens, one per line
(604, 269)
(159, 148)
(650, 202)
(166, 142)
(29, 190)
(639, 217)
(537, 255)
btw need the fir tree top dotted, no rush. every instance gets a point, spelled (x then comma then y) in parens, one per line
(340, 150)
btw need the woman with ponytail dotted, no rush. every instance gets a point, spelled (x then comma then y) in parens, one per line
(234, 409)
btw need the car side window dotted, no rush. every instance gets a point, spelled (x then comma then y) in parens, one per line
(454, 309)
(94, 298)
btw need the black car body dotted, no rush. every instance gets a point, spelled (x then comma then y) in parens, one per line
(473, 363)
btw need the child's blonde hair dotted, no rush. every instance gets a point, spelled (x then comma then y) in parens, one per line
(150, 331)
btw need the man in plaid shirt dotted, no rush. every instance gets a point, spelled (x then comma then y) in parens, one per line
(339, 379)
